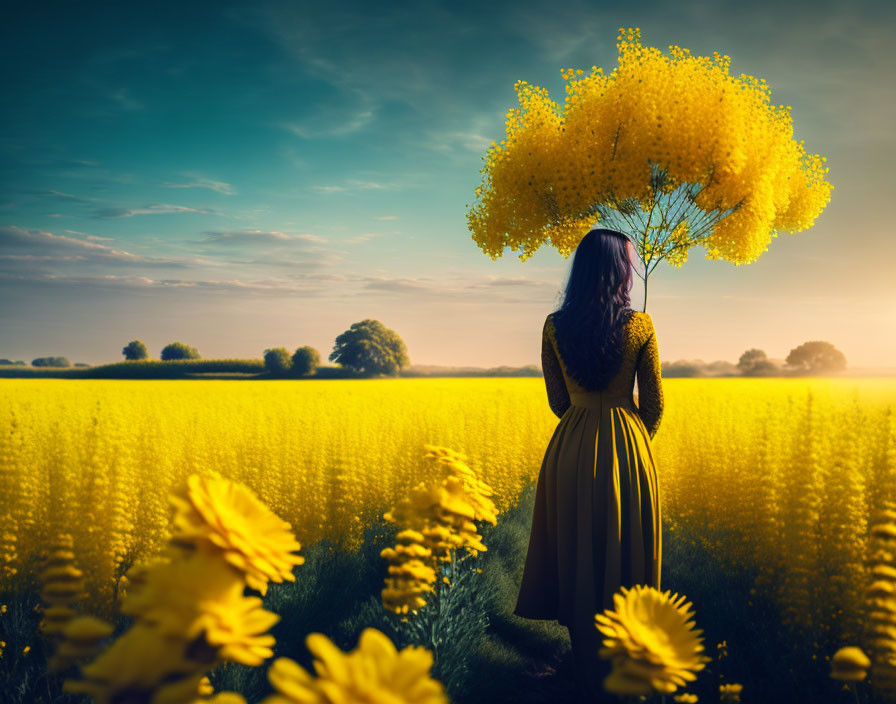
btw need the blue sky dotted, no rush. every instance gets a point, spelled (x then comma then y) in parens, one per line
(249, 175)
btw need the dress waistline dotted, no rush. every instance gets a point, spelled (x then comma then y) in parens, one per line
(601, 400)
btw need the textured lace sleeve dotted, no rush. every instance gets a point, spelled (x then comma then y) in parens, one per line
(650, 384)
(558, 395)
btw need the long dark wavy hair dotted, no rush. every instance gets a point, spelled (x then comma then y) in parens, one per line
(589, 324)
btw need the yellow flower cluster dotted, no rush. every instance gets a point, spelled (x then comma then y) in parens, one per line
(881, 594)
(103, 468)
(71, 453)
(730, 693)
(188, 607)
(850, 664)
(374, 672)
(678, 245)
(436, 519)
(651, 641)
(681, 115)
(62, 586)
(73, 638)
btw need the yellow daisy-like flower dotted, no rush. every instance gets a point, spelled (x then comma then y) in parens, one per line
(201, 596)
(374, 672)
(651, 641)
(227, 516)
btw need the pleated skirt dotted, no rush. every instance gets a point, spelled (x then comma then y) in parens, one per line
(596, 524)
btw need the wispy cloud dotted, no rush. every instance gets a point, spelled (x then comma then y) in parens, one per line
(399, 285)
(357, 185)
(386, 217)
(469, 141)
(163, 209)
(322, 125)
(495, 288)
(42, 247)
(364, 237)
(270, 287)
(218, 186)
(50, 194)
(259, 237)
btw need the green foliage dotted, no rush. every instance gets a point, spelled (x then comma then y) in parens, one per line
(305, 360)
(179, 350)
(453, 622)
(174, 369)
(277, 360)
(371, 347)
(51, 362)
(135, 350)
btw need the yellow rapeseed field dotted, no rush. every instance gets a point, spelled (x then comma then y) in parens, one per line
(776, 474)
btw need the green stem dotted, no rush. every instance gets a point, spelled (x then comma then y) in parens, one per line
(645, 291)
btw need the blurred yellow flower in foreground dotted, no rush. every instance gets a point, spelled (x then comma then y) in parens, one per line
(374, 672)
(200, 596)
(849, 663)
(132, 665)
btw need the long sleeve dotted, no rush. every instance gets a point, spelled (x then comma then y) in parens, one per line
(558, 395)
(650, 386)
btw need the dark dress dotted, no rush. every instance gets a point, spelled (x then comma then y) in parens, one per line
(596, 521)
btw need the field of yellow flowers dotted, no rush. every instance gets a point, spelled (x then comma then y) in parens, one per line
(780, 476)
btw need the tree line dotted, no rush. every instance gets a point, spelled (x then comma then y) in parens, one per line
(811, 358)
(367, 347)
(370, 348)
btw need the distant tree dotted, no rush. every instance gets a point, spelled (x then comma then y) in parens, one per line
(755, 362)
(135, 350)
(6, 362)
(81, 364)
(816, 357)
(372, 348)
(305, 360)
(50, 362)
(178, 350)
(277, 360)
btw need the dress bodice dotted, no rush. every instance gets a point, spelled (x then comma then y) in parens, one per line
(640, 356)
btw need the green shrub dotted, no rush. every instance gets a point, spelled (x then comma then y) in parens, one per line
(277, 360)
(50, 362)
(178, 350)
(135, 350)
(305, 360)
